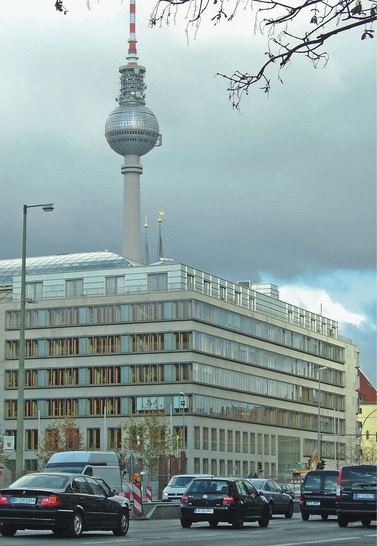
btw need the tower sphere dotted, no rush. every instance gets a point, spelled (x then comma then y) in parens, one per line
(132, 128)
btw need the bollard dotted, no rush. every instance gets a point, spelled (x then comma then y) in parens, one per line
(138, 503)
(149, 494)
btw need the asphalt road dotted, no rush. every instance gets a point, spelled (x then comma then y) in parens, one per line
(280, 532)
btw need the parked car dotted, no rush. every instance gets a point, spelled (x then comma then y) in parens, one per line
(356, 494)
(66, 504)
(278, 501)
(229, 500)
(286, 488)
(177, 486)
(318, 494)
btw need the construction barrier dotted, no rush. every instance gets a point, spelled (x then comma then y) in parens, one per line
(138, 503)
(149, 494)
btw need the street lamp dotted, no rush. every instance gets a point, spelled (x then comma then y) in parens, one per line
(21, 362)
(319, 413)
(183, 404)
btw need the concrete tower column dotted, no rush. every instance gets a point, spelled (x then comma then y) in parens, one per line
(131, 170)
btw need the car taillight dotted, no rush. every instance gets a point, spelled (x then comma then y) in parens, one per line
(52, 500)
(228, 500)
(3, 500)
(184, 499)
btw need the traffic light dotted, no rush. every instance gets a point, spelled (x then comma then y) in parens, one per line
(321, 464)
(367, 435)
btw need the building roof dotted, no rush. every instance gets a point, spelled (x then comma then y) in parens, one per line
(366, 390)
(62, 263)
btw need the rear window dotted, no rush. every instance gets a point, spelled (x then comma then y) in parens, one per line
(41, 481)
(312, 481)
(208, 486)
(330, 482)
(359, 475)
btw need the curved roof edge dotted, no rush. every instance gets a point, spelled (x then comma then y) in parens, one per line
(62, 263)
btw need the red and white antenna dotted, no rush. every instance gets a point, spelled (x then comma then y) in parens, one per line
(132, 53)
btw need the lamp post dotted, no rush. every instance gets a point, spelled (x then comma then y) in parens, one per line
(183, 404)
(21, 362)
(319, 454)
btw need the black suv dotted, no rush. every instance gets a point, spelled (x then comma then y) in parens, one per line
(318, 494)
(356, 494)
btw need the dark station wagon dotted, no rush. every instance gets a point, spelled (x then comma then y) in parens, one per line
(229, 500)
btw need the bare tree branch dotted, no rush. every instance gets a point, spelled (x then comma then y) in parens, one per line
(323, 19)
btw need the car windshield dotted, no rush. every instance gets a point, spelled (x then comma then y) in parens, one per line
(180, 481)
(41, 481)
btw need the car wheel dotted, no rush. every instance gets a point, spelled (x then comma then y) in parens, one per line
(123, 524)
(186, 523)
(305, 516)
(365, 522)
(264, 522)
(75, 526)
(324, 517)
(213, 523)
(342, 521)
(8, 530)
(289, 513)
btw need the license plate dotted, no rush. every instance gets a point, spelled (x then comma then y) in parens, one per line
(23, 500)
(364, 496)
(203, 510)
(313, 503)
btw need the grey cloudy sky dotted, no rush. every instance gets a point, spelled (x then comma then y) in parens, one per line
(283, 192)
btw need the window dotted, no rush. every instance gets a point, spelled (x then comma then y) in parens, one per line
(190, 282)
(238, 441)
(114, 438)
(93, 438)
(31, 439)
(74, 288)
(157, 282)
(34, 291)
(205, 438)
(196, 437)
(222, 439)
(115, 285)
(230, 442)
(213, 440)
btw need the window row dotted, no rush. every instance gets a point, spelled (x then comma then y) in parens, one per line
(160, 373)
(176, 310)
(215, 439)
(196, 404)
(95, 345)
(101, 314)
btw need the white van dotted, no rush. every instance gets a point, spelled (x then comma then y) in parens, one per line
(99, 464)
(177, 486)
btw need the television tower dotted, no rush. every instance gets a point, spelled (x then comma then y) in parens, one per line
(132, 130)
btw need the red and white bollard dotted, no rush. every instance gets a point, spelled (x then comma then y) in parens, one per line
(149, 494)
(138, 502)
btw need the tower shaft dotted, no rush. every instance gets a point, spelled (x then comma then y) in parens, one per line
(131, 170)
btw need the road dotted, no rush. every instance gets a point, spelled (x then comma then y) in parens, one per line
(280, 532)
